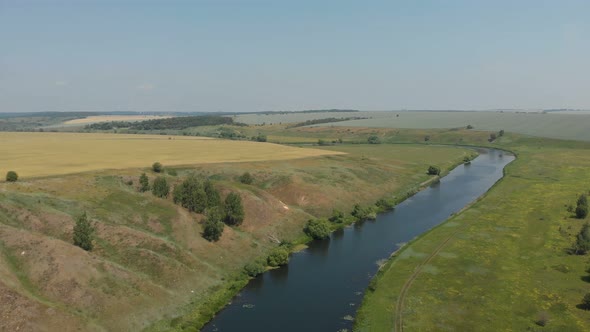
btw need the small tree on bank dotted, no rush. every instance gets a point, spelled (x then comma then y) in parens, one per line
(213, 227)
(279, 256)
(11, 176)
(160, 187)
(317, 228)
(234, 211)
(144, 183)
(433, 170)
(84, 233)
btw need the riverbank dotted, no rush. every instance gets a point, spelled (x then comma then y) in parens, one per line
(500, 264)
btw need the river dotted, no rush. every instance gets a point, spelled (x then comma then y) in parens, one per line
(321, 287)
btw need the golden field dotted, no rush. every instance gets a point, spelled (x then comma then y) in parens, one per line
(43, 154)
(109, 118)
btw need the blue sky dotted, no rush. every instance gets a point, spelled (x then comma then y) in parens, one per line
(262, 55)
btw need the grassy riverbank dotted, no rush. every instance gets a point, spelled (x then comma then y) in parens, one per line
(150, 262)
(503, 263)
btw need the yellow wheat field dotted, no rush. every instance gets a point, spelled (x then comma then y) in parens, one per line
(109, 118)
(43, 154)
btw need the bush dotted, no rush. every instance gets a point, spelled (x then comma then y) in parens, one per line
(172, 172)
(144, 183)
(191, 195)
(337, 217)
(384, 204)
(211, 194)
(213, 227)
(501, 133)
(582, 200)
(11, 176)
(246, 178)
(493, 137)
(581, 211)
(83, 233)
(586, 302)
(317, 228)
(582, 244)
(374, 139)
(157, 167)
(253, 269)
(278, 257)
(469, 127)
(234, 211)
(161, 187)
(361, 213)
(433, 170)
(260, 138)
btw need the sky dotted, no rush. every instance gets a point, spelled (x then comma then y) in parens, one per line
(275, 55)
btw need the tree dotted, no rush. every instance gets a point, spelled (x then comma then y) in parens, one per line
(469, 127)
(83, 233)
(582, 200)
(433, 170)
(234, 211)
(493, 137)
(253, 269)
(144, 183)
(157, 167)
(581, 211)
(211, 194)
(501, 133)
(586, 302)
(279, 256)
(582, 244)
(337, 217)
(191, 195)
(160, 187)
(246, 178)
(11, 176)
(261, 138)
(213, 227)
(317, 228)
(374, 139)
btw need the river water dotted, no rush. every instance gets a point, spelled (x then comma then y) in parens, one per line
(321, 287)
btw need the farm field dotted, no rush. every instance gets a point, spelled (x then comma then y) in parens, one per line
(109, 118)
(43, 154)
(502, 264)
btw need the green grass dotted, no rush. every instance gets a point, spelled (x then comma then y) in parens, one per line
(501, 263)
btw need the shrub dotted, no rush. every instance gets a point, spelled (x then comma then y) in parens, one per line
(234, 211)
(361, 213)
(246, 178)
(260, 138)
(157, 167)
(337, 217)
(582, 244)
(582, 200)
(254, 268)
(493, 137)
(433, 170)
(144, 183)
(279, 256)
(374, 139)
(172, 172)
(211, 194)
(501, 133)
(469, 127)
(191, 195)
(160, 187)
(11, 176)
(586, 302)
(384, 204)
(83, 233)
(581, 211)
(317, 228)
(213, 227)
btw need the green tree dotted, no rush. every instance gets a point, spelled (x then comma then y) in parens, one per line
(582, 200)
(160, 187)
(246, 178)
(234, 211)
(317, 228)
(212, 194)
(253, 269)
(144, 183)
(279, 256)
(581, 211)
(11, 176)
(191, 195)
(337, 217)
(374, 139)
(213, 227)
(157, 167)
(433, 170)
(261, 138)
(582, 244)
(84, 232)
(501, 133)
(586, 302)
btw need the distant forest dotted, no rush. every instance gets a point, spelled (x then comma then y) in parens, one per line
(177, 123)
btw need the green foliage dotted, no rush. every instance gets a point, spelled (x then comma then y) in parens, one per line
(191, 195)
(213, 227)
(581, 211)
(322, 142)
(586, 302)
(160, 187)
(501, 133)
(384, 204)
(337, 217)
(279, 256)
(11, 176)
(466, 159)
(171, 171)
(157, 167)
(212, 195)
(246, 178)
(361, 213)
(582, 200)
(144, 183)
(83, 233)
(469, 127)
(582, 244)
(260, 138)
(253, 269)
(175, 123)
(234, 211)
(433, 170)
(374, 139)
(493, 137)
(318, 228)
